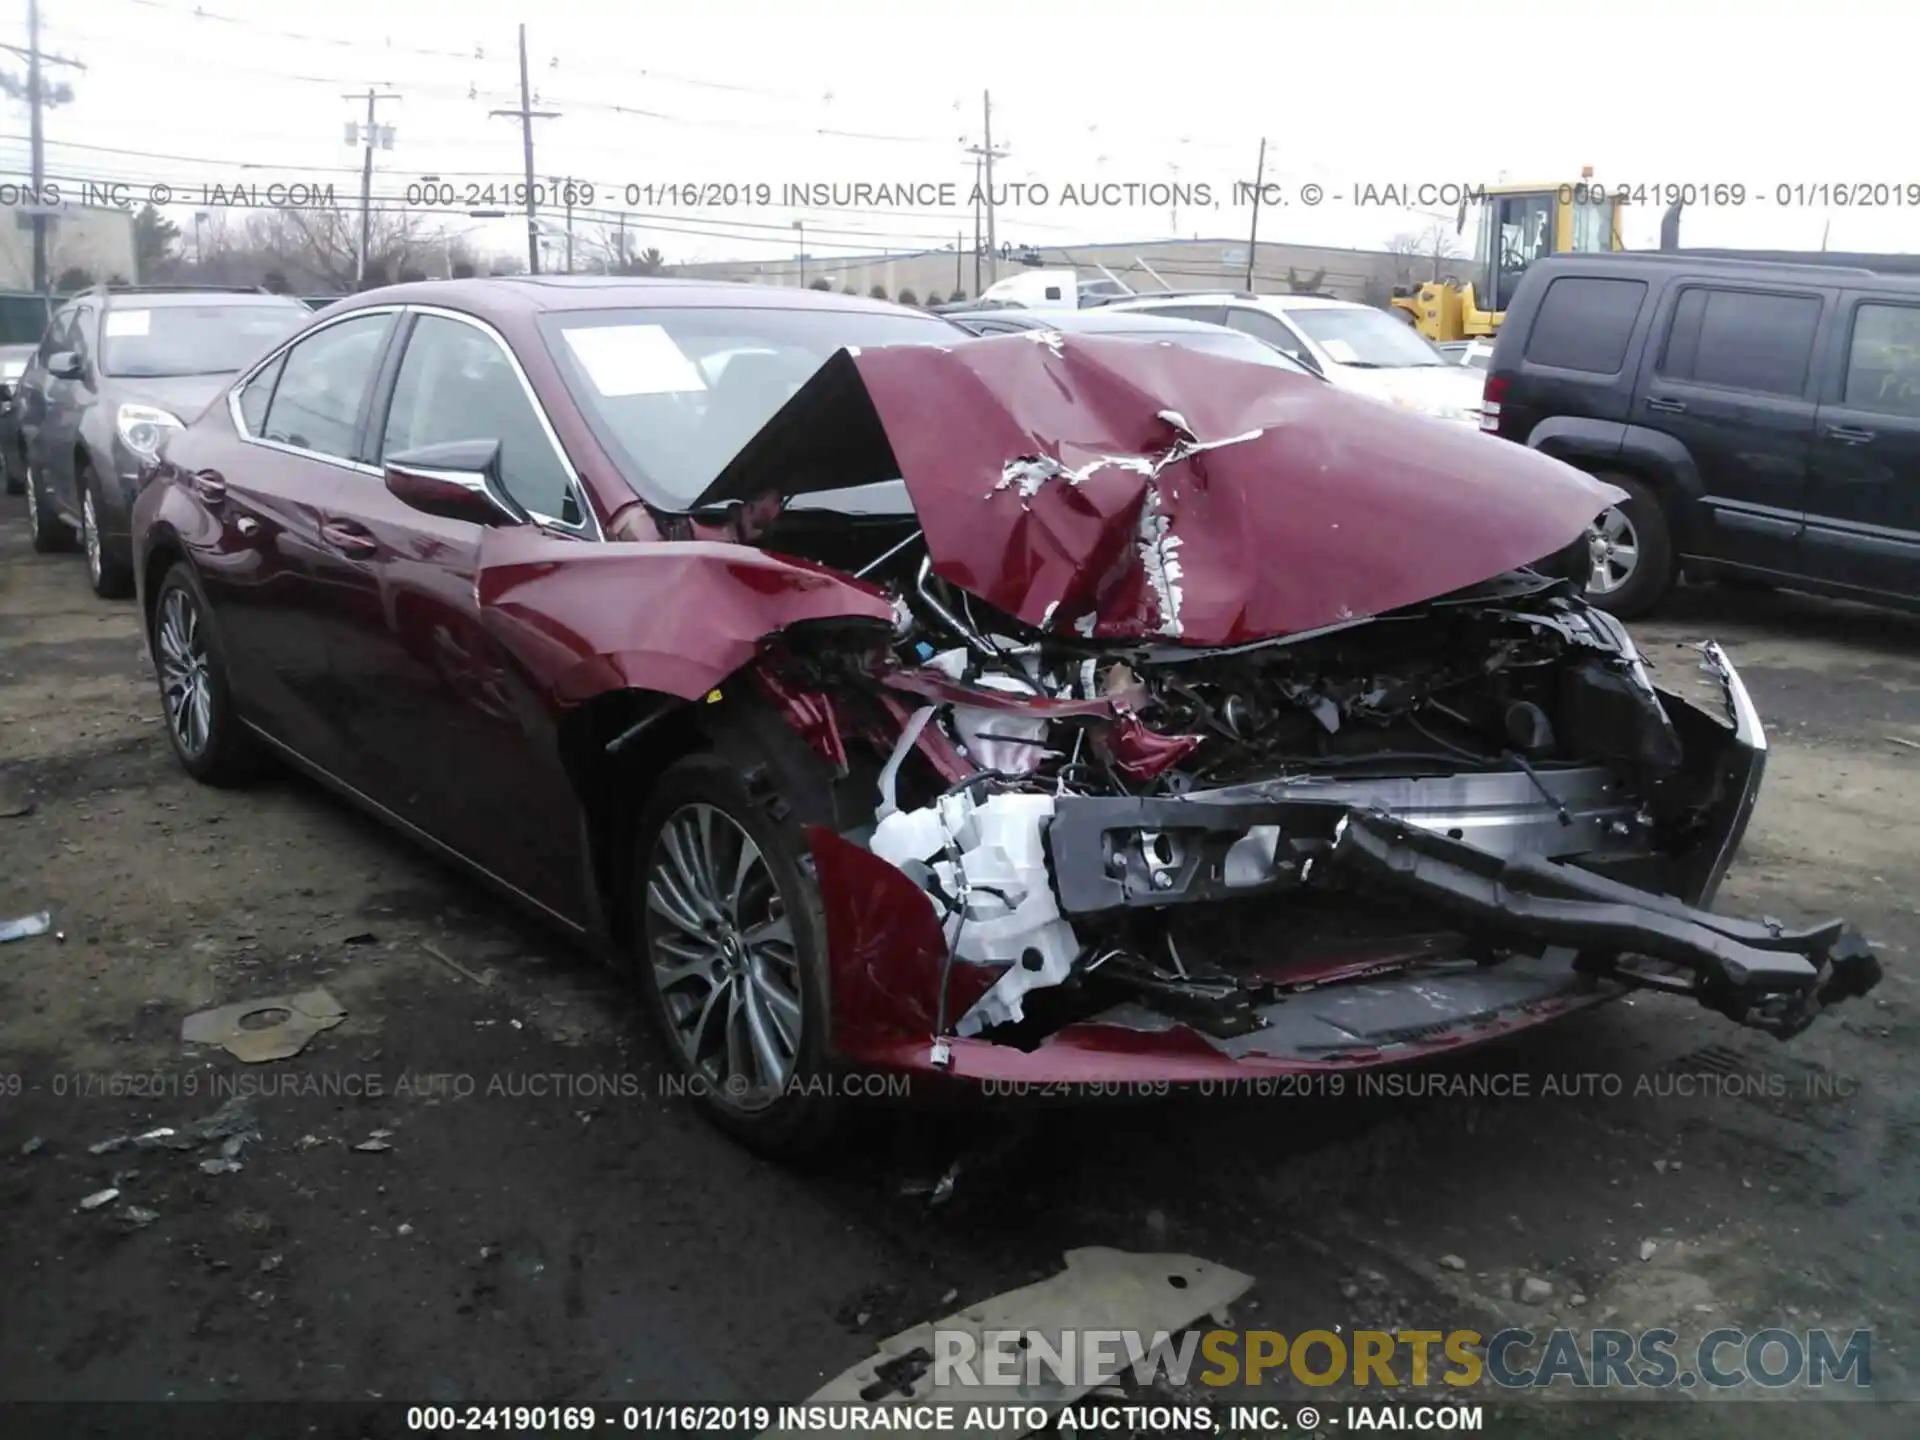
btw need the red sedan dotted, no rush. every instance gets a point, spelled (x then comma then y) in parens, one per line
(1040, 707)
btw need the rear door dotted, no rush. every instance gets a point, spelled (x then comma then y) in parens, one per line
(1863, 504)
(273, 570)
(1730, 375)
(448, 733)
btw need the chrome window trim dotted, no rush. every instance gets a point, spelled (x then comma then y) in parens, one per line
(589, 528)
(247, 378)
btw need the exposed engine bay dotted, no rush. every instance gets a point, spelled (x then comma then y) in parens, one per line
(1178, 710)
(1490, 778)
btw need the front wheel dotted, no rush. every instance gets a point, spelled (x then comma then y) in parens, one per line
(1629, 551)
(109, 569)
(207, 736)
(731, 949)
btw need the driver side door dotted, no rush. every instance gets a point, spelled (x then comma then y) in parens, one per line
(449, 734)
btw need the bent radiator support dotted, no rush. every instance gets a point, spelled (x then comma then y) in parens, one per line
(1757, 973)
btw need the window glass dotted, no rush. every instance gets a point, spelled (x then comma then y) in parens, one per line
(456, 383)
(1883, 363)
(156, 340)
(323, 380)
(1585, 324)
(253, 399)
(1742, 340)
(1269, 328)
(1361, 336)
(641, 378)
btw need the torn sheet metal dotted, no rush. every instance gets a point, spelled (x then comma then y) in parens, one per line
(273, 1028)
(1052, 482)
(1100, 1289)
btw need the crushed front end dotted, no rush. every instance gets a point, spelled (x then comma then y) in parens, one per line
(1139, 803)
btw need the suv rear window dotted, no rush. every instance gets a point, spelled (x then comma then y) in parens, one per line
(1584, 324)
(1742, 339)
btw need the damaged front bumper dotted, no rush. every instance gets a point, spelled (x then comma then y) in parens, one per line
(1518, 884)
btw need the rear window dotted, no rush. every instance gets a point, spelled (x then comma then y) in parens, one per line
(1742, 339)
(1585, 324)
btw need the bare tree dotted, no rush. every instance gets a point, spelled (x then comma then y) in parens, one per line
(325, 243)
(1423, 251)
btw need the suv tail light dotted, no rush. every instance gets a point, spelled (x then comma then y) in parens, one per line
(1490, 398)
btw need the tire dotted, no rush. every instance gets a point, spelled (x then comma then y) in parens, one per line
(109, 570)
(1640, 523)
(206, 733)
(47, 531)
(726, 1071)
(15, 471)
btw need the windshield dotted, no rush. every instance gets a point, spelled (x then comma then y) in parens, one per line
(1368, 338)
(673, 395)
(1230, 343)
(192, 339)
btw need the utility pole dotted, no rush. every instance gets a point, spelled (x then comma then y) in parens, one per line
(1253, 235)
(36, 103)
(526, 115)
(976, 226)
(988, 155)
(370, 134)
(959, 245)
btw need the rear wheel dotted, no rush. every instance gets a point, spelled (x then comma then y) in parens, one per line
(16, 472)
(45, 528)
(731, 949)
(108, 568)
(1629, 551)
(207, 736)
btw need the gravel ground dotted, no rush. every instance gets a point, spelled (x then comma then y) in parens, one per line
(546, 1225)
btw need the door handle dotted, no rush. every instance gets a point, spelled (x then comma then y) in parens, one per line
(1849, 434)
(210, 486)
(1666, 407)
(349, 538)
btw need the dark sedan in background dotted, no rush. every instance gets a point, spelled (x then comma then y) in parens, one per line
(116, 370)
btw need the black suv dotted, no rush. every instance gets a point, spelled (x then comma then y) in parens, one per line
(1764, 419)
(116, 370)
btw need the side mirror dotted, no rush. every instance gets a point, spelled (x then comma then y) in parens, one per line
(65, 365)
(459, 480)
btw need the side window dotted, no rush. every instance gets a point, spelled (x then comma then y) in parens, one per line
(78, 339)
(316, 405)
(457, 383)
(1742, 340)
(58, 336)
(1883, 361)
(253, 399)
(1209, 314)
(1263, 326)
(1585, 324)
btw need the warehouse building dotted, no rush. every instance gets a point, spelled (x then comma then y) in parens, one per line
(1367, 276)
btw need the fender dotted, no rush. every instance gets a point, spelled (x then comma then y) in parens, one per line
(1652, 453)
(676, 617)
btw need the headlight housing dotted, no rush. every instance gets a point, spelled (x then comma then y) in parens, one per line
(142, 427)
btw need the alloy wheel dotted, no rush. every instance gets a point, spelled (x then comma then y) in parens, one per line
(1613, 549)
(90, 532)
(724, 960)
(185, 679)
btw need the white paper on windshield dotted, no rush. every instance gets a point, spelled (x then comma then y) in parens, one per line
(129, 322)
(634, 360)
(1340, 352)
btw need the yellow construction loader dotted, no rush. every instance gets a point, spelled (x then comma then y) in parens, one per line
(1517, 225)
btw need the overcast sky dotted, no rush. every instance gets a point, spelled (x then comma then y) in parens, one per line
(723, 93)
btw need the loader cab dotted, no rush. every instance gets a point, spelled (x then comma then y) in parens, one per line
(1521, 225)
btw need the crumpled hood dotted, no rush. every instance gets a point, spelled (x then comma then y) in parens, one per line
(1128, 491)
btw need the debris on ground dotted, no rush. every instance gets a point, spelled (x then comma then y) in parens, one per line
(1910, 744)
(219, 1166)
(483, 980)
(100, 1197)
(1535, 1291)
(1149, 1293)
(375, 1142)
(1647, 1247)
(1453, 1262)
(274, 1028)
(26, 925)
(137, 1217)
(33, 1146)
(14, 807)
